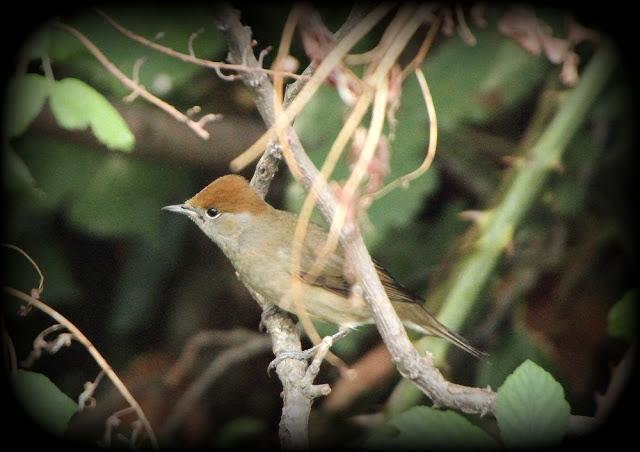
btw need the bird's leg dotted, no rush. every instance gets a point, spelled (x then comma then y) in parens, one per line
(307, 354)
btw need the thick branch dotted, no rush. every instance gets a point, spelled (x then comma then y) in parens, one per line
(410, 364)
(296, 377)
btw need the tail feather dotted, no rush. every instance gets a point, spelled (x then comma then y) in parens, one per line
(414, 316)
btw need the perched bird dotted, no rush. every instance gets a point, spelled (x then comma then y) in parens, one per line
(257, 239)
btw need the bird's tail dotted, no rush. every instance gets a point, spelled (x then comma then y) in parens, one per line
(417, 318)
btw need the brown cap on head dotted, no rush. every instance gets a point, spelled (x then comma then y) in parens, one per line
(231, 193)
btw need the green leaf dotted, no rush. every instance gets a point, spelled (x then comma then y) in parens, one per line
(43, 401)
(16, 172)
(62, 170)
(532, 410)
(623, 317)
(76, 105)
(103, 194)
(426, 427)
(124, 197)
(25, 98)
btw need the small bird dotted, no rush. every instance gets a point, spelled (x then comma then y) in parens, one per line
(257, 239)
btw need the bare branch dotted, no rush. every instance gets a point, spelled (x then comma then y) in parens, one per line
(35, 293)
(605, 403)
(218, 366)
(404, 181)
(191, 39)
(86, 399)
(112, 423)
(198, 341)
(157, 138)
(411, 365)
(297, 398)
(463, 28)
(190, 57)
(86, 343)
(135, 87)
(40, 344)
(281, 122)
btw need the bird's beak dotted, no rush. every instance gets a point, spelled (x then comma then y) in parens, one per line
(184, 209)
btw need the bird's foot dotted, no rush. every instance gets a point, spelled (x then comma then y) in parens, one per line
(306, 355)
(303, 355)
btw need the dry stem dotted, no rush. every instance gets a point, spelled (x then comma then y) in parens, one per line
(410, 364)
(86, 343)
(216, 368)
(190, 57)
(136, 88)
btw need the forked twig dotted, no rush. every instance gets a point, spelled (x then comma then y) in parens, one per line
(135, 87)
(86, 343)
(312, 85)
(190, 57)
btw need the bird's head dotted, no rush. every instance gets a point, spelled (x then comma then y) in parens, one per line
(224, 209)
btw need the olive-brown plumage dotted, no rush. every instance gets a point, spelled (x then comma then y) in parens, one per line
(257, 239)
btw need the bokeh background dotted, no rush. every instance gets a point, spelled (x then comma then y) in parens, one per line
(140, 282)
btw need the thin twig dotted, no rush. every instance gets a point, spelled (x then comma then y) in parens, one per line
(304, 217)
(433, 142)
(86, 399)
(86, 343)
(40, 344)
(312, 85)
(197, 342)
(135, 87)
(217, 368)
(46, 67)
(402, 33)
(422, 52)
(606, 403)
(283, 52)
(418, 369)
(36, 292)
(190, 57)
(463, 28)
(293, 429)
(112, 423)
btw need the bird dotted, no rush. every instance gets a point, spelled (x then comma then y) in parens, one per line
(258, 241)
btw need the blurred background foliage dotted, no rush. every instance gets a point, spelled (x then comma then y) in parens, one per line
(140, 283)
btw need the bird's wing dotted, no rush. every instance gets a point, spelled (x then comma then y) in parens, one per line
(395, 291)
(332, 275)
(409, 307)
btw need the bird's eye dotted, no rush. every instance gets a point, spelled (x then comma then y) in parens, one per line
(213, 213)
